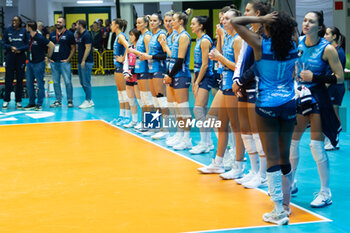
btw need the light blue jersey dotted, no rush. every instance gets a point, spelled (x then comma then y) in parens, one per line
(155, 48)
(141, 66)
(185, 71)
(198, 56)
(310, 58)
(275, 78)
(118, 50)
(169, 41)
(228, 53)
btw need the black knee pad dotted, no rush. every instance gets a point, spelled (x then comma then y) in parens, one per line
(274, 168)
(286, 168)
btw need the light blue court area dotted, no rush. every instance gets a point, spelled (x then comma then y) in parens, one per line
(107, 108)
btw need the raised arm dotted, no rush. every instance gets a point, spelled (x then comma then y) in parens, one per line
(253, 39)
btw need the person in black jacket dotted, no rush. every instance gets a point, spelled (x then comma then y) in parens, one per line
(15, 42)
(96, 37)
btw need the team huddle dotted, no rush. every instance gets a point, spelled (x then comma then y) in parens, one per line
(268, 84)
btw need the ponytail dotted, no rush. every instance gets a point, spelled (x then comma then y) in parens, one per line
(122, 23)
(184, 16)
(339, 38)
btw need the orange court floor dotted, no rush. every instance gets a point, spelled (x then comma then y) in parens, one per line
(89, 176)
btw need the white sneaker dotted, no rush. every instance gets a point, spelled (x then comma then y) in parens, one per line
(213, 168)
(211, 145)
(91, 103)
(138, 126)
(199, 149)
(256, 182)
(183, 144)
(330, 147)
(85, 104)
(235, 173)
(172, 141)
(323, 199)
(130, 125)
(246, 177)
(147, 133)
(160, 135)
(229, 159)
(125, 121)
(5, 105)
(288, 210)
(277, 218)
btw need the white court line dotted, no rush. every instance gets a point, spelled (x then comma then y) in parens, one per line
(254, 227)
(324, 219)
(165, 148)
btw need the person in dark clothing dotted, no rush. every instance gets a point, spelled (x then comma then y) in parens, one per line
(38, 45)
(96, 37)
(15, 42)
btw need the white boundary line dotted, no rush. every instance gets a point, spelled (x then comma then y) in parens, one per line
(253, 227)
(324, 219)
(163, 147)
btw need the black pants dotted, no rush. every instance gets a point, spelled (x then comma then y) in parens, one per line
(15, 63)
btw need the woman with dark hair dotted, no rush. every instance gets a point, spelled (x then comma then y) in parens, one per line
(132, 89)
(203, 79)
(318, 65)
(179, 77)
(141, 68)
(228, 105)
(244, 87)
(156, 66)
(119, 52)
(336, 91)
(275, 55)
(15, 42)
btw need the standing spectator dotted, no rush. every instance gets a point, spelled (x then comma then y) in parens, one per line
(60, 62)
(73, 28)
(85, 62)
(40, 27)
(15, 42)
(96, 36)
(36, 66)
(110, 40)
(100, 23)
(105, 33)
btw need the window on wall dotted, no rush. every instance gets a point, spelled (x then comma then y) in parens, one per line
(89, 14)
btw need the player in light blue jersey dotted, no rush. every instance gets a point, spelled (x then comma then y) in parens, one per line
(336, 91)
(213, 111)
(168, 43)
(228, 105)
(317, 65)
(179, 78)
(275, 55)
(245, 88)
(203, 79)
(141, 68)
(156, 67)
(119, 47)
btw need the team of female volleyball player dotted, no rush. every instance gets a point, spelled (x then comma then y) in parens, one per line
(273, 84)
